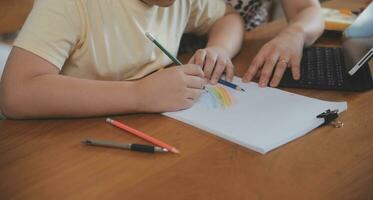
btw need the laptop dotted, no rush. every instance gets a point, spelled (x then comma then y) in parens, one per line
(343, 68)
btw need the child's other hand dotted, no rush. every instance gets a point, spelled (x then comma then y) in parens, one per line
(171, 89)
(214, 61)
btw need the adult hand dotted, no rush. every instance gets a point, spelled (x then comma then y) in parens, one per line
(171, 89)
(282, 52)
(214, 61)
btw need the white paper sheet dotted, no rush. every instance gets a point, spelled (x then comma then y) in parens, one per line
(261, 119)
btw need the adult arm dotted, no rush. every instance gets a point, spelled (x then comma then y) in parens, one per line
(305, 25)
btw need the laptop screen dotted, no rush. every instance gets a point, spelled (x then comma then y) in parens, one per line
(358, 44)
(363, 25)
(357, 52)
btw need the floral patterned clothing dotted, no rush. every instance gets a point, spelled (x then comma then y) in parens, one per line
(254, 12)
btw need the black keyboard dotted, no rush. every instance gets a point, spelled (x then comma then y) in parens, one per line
(323, 68)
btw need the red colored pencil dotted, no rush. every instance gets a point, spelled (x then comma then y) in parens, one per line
(142, 135)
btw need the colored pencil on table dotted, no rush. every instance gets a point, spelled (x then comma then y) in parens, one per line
(177, 62)
(142, 135)
(132, 147)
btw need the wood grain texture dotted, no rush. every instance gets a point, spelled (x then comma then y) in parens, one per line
(44, 159)
(13, 14)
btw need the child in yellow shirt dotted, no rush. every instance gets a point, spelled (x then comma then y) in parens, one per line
(77, 58)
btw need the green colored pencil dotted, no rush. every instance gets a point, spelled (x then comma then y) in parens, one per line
(177, 62)
(173, 58)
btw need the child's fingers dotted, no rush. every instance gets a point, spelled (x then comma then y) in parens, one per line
(218, 70)
(199, 57)
(195, 82)
(194, 94)
(192, 69)
(210, 62)
(187, 103)
(192, 59)
(229, 73)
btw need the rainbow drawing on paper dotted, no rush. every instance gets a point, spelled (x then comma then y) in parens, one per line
(218, 97)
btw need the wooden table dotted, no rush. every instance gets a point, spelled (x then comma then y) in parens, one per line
(44, 159)
(13, 14)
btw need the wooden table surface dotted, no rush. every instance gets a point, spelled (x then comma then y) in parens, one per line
(44, 159)
(13, 14)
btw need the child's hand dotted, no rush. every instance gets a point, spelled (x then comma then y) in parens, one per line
(214, 62)
(171, 89)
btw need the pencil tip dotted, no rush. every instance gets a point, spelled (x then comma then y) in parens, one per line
(174, 150)
(87, 141)
(150, 36)
(239, 89)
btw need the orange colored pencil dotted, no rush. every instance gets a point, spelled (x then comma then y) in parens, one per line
(142, 135)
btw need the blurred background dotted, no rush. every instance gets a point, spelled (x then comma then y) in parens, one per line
(14, 12)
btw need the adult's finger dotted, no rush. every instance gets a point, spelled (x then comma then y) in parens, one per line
(267, 70)
(281, 66)
(255, 65)
(295, 66)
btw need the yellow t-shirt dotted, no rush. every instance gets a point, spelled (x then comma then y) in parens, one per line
(104, 39)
